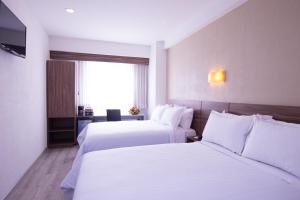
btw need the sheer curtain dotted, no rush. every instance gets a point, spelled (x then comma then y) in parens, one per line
(104, 85)
(141, 87)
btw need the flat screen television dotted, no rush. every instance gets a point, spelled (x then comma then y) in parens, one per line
(12, 32)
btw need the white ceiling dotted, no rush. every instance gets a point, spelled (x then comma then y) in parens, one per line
(129, 21)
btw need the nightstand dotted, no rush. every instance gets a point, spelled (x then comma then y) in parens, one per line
(190, 139)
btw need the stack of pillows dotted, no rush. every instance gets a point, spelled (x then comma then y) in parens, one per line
(257, 137)
(173, 116)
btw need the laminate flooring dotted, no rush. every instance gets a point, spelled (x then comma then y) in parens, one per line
(42, 180)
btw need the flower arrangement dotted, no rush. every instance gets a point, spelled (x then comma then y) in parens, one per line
(134, 110)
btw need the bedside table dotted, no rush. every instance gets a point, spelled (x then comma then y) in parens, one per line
(190, 139)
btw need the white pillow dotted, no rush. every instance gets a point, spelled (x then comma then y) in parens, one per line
(186, 118)
(266, 117)
(228, 130)
(172, 116)
(158, 111)
(275, 143)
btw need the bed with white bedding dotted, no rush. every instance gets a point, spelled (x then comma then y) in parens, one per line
(199, 170)
(236, 159)
(106, 135)
(109, 135)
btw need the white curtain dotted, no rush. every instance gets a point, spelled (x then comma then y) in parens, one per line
(141, 86)
(82, 83)
(105, 85)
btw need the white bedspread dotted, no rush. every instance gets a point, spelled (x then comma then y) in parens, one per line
(178, 171)
(109, 135)
(105, 135)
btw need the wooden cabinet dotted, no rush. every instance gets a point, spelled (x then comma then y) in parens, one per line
(61, 108)
(61, 88)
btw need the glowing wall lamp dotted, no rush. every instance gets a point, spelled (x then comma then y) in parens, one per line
(215, 77)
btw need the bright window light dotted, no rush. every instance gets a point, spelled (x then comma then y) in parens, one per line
(109, 86)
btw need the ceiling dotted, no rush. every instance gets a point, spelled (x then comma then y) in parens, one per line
(129, 21)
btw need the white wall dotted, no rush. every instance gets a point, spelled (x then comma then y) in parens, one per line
(22, 102)
(161, 73)
(157, 75)
(98, 47)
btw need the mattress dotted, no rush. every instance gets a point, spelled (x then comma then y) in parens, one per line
(180, 171)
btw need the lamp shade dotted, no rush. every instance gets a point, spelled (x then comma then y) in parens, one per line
(217, 76)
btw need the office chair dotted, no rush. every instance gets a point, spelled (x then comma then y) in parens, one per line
(113, 115)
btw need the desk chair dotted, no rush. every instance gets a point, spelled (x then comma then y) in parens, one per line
(113, 115)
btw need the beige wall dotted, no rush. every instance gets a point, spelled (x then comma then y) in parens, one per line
(258, 44)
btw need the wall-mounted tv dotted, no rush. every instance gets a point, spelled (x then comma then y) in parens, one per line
(12, 32)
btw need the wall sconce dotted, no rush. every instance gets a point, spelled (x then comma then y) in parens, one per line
(216, 77)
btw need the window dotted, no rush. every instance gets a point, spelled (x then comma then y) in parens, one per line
(107, 86)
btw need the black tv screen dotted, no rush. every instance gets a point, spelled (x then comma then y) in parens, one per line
(12, 32)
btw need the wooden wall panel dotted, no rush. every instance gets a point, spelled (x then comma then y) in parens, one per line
(203, 109)
(62, 55)
(208, 106)
(60, 89)
(282, 113)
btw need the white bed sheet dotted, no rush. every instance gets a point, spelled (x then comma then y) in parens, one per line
(178, 171)
(109, 135)
(285, 176)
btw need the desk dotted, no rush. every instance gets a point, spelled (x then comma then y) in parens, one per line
(123, 118)
(82, 121)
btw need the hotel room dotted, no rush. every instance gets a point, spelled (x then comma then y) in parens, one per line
(139, 99)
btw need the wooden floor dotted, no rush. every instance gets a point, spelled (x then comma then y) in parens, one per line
(42, 180)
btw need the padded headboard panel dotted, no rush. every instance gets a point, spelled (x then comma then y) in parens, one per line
(282, 113)
(202, 110)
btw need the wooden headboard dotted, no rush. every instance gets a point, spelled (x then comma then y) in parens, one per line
(202, 110)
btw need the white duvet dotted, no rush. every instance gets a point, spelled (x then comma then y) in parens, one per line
(109, 135)
(180, 171)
